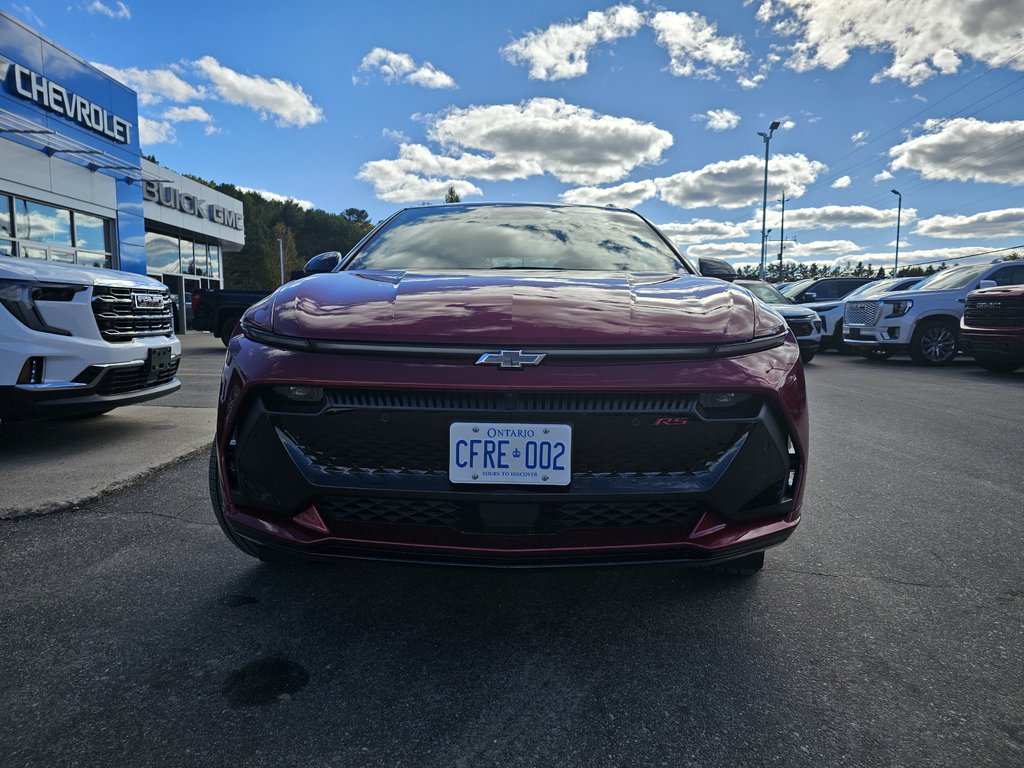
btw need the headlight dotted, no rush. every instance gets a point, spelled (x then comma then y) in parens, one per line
(19, 297)
(897, 308)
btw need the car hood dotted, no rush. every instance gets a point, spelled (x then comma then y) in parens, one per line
(524, 307)
(16, 268)
(912, 294)
(791, 311)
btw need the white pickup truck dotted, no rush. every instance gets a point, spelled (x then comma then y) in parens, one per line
(76, 341)
(925, 320)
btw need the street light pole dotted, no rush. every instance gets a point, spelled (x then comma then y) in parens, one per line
(899, 214)
(782, 233)
(280, 256)
(764, 206)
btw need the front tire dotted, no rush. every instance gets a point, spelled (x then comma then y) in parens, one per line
(999, 364)
(837, 342)
(227, 327)
(808, 354)
(934, 343)
(262, 553)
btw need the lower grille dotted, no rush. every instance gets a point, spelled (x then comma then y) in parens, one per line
(559, 516)
(801, 327)
(994, 313)
(121, 380)
(860, 313)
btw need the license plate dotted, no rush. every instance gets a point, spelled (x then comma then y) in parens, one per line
(522, 454)
(854, 333)
(157, 362)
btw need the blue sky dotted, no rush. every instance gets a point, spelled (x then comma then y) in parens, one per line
(651, 106)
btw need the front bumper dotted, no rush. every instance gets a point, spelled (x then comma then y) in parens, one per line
(1002, 343)
(890, 335)
(364, 473)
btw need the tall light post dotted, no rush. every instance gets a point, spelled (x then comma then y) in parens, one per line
(899, 214)
(280, 256)
(782, 233)
(764, 206)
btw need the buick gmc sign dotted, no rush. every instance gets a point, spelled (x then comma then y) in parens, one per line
(164, 194)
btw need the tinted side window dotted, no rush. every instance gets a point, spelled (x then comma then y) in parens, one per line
(826, 289)
(1009, 275)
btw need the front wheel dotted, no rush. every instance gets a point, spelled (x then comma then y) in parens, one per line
(934, 343)
(227, 327)
(837, 342)
(999, 364)
(808, 354)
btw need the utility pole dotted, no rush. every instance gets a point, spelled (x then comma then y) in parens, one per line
(280, 255)
(764, 206)
(899, 213)
(782, 232)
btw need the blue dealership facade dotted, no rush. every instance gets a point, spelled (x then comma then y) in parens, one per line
(74, 187)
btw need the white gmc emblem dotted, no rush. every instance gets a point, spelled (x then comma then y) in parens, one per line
(147, 301)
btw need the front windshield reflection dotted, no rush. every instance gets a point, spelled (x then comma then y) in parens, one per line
(517, 237)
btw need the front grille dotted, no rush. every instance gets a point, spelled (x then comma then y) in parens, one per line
(522, 402)
(1003, 312)
(860, 313)
(119, 319)
(801, 327)
(610, 444)
(465, 516)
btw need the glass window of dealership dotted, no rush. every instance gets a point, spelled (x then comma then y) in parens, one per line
(74, 188)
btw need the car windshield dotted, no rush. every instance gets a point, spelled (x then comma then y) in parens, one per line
(794, 288)
(767, 293)
(463, 237)
(950, 279)
(880, 286)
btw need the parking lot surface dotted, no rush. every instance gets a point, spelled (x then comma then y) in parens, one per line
(887, 632)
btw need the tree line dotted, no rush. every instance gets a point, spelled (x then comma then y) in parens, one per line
(792, 272)
(304, 234)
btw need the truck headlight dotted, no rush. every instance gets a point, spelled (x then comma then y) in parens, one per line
(19, 297)
(897, 308)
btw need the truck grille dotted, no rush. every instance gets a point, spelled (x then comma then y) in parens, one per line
(860, 313)
(800, 327)
(1003, 312)
(122, 313)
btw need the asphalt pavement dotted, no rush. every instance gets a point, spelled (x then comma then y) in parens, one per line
(48, 466)
(887, 632)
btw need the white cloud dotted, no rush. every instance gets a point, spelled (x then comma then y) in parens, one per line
(965, 149)
(788, 125)
(187, 114)
(274, 196)
(212, 130)
(702, 230)
(392, 182)
(27, 13)
(925, 37)
(401, 67)
(288, 102)
(736, 183)
(1008, 222)
(121, 13)
(860, 138)
(155, 132)
(628, 195)
(396, 136)
(841, 183)
(696, 49)
(154, 85)
(883, 176)
(836, 216)
(718, 119)
(575, 144)
(561, 51)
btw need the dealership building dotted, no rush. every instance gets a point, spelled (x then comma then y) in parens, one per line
(74, 187)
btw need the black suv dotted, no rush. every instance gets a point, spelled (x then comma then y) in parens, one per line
(823, 288)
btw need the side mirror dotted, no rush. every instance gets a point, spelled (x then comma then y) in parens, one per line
(987, 284)
(809, 296)
(323, 262)
(720, 268)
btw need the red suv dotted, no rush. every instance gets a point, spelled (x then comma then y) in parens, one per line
(992, 329)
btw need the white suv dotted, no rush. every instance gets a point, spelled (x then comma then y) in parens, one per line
(80, 341)
(924, 321)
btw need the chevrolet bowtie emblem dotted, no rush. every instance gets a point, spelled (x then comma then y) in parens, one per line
(510, 358)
